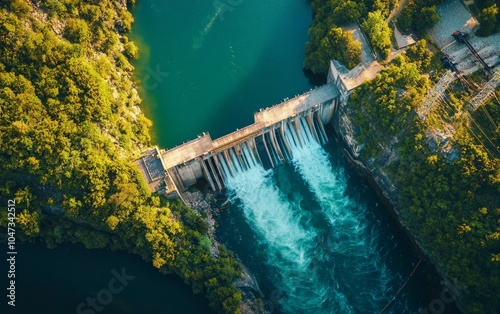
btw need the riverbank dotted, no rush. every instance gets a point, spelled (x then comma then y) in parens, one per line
(388, 194)
(209, 205)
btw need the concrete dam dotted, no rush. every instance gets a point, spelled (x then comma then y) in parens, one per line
(267, 141)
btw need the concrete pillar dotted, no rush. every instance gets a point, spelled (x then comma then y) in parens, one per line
(328, 110)
(229, 162)
(253, 148)
(310, 123)
(276, 146)
(176, 179)
(219, 168)
(320, 125)
(241, 159)
(267, 150)
(297, 130)
(282, 131)
(216, 172)
(208, 176)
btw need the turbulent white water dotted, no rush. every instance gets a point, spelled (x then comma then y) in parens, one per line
(289, 243)
(334, 271)
(351, 244)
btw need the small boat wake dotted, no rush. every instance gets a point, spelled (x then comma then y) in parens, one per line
(200, 38)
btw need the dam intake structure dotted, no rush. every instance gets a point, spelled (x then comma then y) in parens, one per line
(267, 142)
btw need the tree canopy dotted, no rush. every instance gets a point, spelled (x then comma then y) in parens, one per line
(488, 16)
(70, 128)
(378, 32)
(447, 190)
(418, 15)
(327, 39)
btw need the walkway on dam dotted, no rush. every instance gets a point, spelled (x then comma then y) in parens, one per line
(264, 118)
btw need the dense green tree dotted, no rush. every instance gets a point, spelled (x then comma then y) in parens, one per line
(378, 32)
(420, 55)
(488, 19)
(29, 222)
(346, 12)
(337, 45)
(77, 31)
(328, 40)
(69, 131)
(112, 222)
(428, 18)
(384, 6)
(131, 50)
(418, 16)
(20, 7)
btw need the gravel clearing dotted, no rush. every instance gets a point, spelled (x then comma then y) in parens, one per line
(454, 16)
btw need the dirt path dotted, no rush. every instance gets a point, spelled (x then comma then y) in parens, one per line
(395, 12)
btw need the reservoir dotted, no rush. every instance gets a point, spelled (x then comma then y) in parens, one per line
(208, 65)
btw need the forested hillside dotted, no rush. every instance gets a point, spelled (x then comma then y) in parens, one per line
(442, 172)
(446, 169)
(328, 40)
(69, 127)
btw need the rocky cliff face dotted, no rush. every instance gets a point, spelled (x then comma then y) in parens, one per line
(205, 205)
(373, 171)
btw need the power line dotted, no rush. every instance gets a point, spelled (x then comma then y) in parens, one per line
(488, 116)
(402, 287)
(481, 130)
(481, 142)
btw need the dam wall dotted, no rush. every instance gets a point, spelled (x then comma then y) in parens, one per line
(263, 141)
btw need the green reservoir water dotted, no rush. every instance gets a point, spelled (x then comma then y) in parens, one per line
(208, 65)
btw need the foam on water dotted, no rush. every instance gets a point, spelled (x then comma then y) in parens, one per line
(351, 245)
(288, 244)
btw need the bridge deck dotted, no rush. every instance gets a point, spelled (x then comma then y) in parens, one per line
(296, 105)
(266, 117)
(237, 135)
(187, 151)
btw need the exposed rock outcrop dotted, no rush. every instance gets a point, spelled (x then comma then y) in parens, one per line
(205, 205)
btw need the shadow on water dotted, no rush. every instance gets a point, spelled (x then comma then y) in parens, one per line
(57, 281)
(315, 79)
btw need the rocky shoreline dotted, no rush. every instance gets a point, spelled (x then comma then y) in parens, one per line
(205, 204)
(386, 191)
